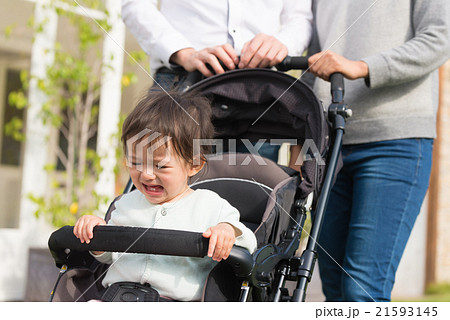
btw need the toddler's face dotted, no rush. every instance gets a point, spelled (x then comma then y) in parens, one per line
(162, 176)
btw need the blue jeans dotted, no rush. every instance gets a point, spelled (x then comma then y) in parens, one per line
(165, 80)
(371, 211)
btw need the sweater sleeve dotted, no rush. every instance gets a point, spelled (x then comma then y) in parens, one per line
(230, 215)
(154, 33)
(425, 52)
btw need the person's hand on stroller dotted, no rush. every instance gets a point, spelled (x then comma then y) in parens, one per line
(262, 51)
(325, 63)
(84, 227)
(191, 59)
(221, 240)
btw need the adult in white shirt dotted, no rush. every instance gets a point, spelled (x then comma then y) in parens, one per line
(240, 33)
(195, 33)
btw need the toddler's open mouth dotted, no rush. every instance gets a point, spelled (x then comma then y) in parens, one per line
(153, 189)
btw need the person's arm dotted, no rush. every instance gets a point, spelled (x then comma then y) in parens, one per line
(425, 52)
(159, 39)
(296, 26)
(419, 56)
(154, 33)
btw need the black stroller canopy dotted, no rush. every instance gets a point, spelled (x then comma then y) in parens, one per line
(264, 104)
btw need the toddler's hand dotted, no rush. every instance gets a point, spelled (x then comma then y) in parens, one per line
(84, 226)
(221, 240)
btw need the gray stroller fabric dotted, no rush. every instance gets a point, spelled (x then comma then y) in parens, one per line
(263, 194)
(264, 104)
(81, 284)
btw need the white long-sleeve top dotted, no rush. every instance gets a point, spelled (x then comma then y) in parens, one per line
(200, 24)
(179, 278)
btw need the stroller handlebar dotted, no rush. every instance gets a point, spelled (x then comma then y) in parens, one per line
(293, 63)
(144, 240)
(301, 63)
(337, 87)
(289, 63)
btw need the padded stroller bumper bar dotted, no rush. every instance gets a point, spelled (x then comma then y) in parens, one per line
(144, 240)
(132, 240)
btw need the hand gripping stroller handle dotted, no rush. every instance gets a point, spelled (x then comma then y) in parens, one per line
(289, 63)
(144, 240)
(293, 63)
(301, 63)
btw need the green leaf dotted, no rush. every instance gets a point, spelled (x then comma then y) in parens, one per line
(14, 129)
(50, 167)
(24, 79)
(9, 29)
(137, 57)
(17, 99)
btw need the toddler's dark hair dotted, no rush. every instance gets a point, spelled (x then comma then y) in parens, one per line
(184, 117)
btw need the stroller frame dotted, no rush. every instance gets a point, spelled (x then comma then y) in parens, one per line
(253, 271)
(300, 269)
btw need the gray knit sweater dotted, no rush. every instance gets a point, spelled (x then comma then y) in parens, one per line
(403, 42)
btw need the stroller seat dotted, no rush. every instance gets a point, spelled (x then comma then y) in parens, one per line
(254, 192)
(263, 193)
(250, 187)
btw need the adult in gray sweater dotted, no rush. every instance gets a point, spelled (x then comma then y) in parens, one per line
(391, 51)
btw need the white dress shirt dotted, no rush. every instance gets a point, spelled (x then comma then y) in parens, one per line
(179, 278)
(200, 24)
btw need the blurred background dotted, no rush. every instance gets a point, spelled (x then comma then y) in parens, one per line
(69, 72)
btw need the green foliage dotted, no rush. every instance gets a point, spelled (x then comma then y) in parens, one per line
(119, 149)
(14, 128)
(136, 57)
(438, 289)
(8, 31)
(58, 213)
(18, 99)
(72, 86)
(437, 292)
(128, 79)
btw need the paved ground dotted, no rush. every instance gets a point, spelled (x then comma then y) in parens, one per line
(314, 289)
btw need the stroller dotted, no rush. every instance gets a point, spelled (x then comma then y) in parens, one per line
(273, 200)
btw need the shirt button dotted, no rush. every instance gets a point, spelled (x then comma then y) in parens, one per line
(163, 212)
